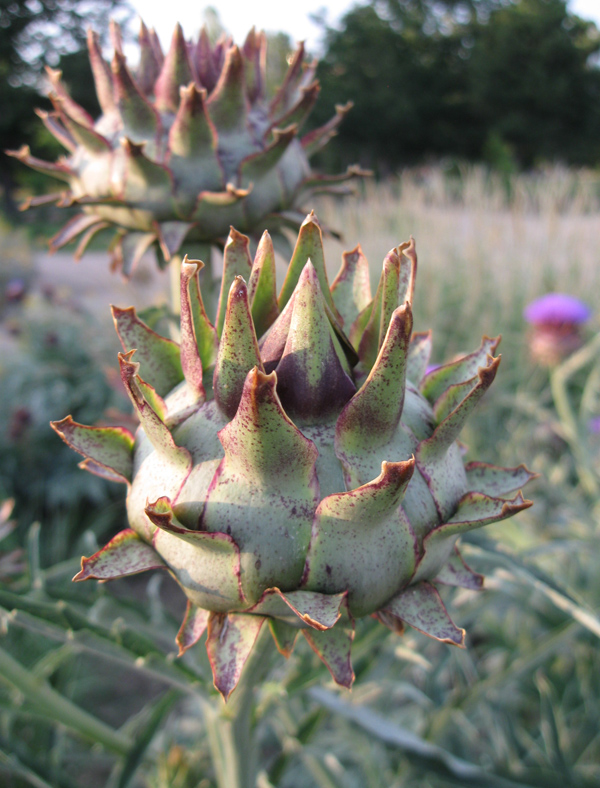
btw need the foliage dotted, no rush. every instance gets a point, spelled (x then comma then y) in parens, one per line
(91, 694)
(510, 82)
(16, 268)
(532, 82)
(521, 701)
(36, 34)
(53, 358)
(11, 563)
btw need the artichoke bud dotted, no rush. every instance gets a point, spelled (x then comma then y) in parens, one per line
(319, 479)
(186, 146)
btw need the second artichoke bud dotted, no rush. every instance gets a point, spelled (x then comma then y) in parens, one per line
(187, 145)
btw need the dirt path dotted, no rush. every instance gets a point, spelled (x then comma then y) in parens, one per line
(92, 286)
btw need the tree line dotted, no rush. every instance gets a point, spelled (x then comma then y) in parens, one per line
(511, 82)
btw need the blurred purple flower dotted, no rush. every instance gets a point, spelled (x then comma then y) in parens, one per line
(15, 289)
(557, 309)
(556, 320)
(594, 425)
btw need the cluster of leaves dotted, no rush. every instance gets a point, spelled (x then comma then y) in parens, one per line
(53, 361)
(16, 267)
(513, 83)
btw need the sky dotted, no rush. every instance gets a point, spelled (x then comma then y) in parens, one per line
(238, 16)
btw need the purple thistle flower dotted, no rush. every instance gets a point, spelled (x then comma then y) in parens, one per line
(557, 309)
(556, 320)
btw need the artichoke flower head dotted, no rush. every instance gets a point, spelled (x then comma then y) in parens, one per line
(295, 465)
(187, 145)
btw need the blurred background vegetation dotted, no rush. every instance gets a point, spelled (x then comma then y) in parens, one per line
(510, 83)
(481, 120)
(513, 84)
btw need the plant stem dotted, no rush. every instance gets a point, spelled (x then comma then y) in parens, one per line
(558, 384)
(229, 727)
(55, 706)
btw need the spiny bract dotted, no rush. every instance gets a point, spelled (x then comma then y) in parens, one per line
(318, 479)
(186, 148)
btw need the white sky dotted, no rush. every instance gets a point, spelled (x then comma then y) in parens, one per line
(238, 16)
(588, 9)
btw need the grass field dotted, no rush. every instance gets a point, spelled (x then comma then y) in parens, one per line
(486, 247)
(520, 707)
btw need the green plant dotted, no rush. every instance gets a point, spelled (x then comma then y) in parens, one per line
(311, 523)
(16, 267)
(53, 354)
(519, 708)
(11, 562)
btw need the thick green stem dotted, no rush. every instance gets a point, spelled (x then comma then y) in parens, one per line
(229, 727)
(558, 384)
(55, 706)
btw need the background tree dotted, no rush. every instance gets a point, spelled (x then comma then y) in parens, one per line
(534, 83)
(466, 78)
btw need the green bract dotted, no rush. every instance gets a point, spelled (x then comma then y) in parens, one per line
(185, 148)
(295, 463)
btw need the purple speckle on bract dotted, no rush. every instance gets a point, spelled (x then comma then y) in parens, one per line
(558, 309)
(431, 368)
